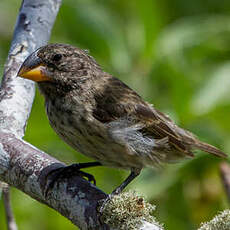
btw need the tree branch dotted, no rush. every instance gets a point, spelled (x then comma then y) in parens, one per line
(32, 30)
(26, 168)
(21, 164)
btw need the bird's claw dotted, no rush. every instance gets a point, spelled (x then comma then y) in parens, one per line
(89, 177)
(59, 174)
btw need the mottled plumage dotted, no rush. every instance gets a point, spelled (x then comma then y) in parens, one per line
(101, 117)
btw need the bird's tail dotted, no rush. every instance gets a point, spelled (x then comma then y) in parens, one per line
(209, 149)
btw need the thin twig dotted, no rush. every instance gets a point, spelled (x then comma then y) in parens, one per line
(225, 175)
(11, 224)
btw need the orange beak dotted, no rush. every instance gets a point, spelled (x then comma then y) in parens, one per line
(33, 69)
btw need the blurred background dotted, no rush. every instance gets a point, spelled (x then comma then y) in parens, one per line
(176, 55)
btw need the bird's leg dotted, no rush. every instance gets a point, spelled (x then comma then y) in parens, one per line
(134, 173)
(63, 172)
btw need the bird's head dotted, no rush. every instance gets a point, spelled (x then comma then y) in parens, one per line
(58, 64)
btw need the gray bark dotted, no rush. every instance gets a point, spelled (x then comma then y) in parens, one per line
(21, 164)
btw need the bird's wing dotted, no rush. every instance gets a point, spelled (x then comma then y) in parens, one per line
(117, 101)
(161, 126)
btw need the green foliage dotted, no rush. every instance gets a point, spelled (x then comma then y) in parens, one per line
(176, 55)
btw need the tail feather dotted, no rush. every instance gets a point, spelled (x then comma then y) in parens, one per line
(209, 149)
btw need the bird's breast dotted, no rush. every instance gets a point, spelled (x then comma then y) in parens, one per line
(75, 126)
(66, 118)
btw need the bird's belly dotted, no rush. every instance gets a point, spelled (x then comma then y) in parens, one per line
(80, 134)
(76, 131)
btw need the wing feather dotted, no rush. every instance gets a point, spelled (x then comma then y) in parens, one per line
(115, 100)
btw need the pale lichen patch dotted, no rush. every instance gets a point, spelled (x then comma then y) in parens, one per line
(219, 222)
(128, 211)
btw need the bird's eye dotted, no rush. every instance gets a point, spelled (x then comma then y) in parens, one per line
(57, 57)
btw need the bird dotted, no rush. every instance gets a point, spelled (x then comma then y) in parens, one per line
(103, 118)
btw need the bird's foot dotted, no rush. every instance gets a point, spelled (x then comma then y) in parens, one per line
(59, 174)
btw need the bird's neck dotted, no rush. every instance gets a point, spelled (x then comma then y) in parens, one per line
(51, 90)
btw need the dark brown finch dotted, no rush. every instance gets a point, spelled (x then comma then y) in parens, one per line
(101, 117)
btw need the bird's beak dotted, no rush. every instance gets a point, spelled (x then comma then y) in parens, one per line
(33, 69)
